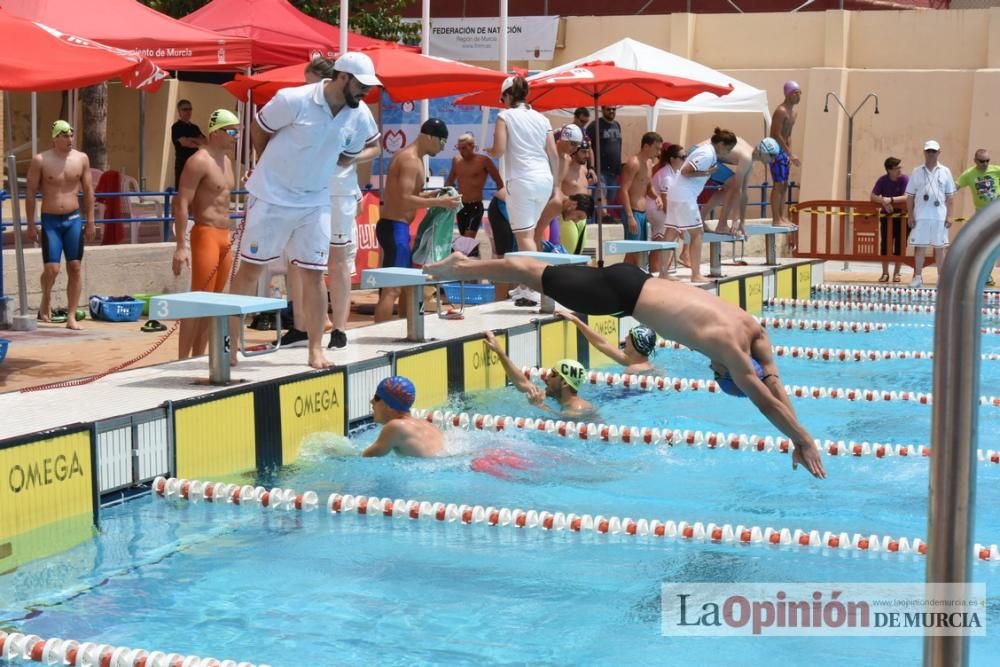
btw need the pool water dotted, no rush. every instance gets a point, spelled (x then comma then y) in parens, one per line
(294, 589)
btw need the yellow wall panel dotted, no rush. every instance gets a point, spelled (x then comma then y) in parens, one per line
(310, 406)
(607, 325)
(558, 341)
(46, 497)
(215, 438)
(429, 373)
(803, 280)
(730, 291)
(481, 366)
(754, 286)
(783, 283)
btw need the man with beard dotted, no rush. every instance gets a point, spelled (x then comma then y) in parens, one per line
(301, 136)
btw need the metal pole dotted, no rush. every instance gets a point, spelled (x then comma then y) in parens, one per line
(600, 213)
(34, 124)
(425, 48)
(218, 355)
(504, 26)
(22, 321)
(142, 142)
(955, 417)
(848, 221)
(343, 26)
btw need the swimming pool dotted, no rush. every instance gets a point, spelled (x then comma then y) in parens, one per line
(291, 588)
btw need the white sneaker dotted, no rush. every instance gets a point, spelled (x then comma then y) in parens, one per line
(916, 282)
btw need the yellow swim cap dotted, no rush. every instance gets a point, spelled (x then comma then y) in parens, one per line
(61, 127)
(572, 372)
(221, 118)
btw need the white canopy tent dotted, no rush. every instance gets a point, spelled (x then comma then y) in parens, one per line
(636, 55)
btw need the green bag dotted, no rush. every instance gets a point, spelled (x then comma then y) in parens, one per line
(434, 235)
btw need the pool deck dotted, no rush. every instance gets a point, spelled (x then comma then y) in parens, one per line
(53, 353)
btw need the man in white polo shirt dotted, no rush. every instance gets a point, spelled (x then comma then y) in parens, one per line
(929, 194)
(301, 136)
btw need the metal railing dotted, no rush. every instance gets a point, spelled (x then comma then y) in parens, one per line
(954, 421)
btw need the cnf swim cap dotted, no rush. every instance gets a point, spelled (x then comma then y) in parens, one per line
(221, 118)
(768, 146)
(397, 392)
(792, 87)
(571, 371)
(643, 339)
(727, 385)
(61, 127)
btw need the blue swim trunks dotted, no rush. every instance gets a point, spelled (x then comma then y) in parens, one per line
(779, 168)
(640, 222)
(62, 233)
(394, 238)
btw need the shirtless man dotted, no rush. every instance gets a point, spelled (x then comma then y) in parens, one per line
(401, 432)
(579, 176)
(470, 169)
(636, 186)
(403, 195)
(562, 383)
(568, 139)
(782, 123)
(731, 180)
(60, 173)
(736, 344)
(203, 190)
(635, 356)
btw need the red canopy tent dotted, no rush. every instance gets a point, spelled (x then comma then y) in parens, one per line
(129, 25)
(405, 75)
(280, 33)
(35, 58)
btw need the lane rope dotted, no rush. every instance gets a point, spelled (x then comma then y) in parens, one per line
(915, 293)
(821, 325)
(636, 435)
(837, 354)
(399, 508)
(863, 306)
(55, 651)
(666, 383)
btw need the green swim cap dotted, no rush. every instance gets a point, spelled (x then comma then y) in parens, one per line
(221, 118)
(61, 127)
(572, 371)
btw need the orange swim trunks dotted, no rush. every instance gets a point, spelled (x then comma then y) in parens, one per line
(211, 258)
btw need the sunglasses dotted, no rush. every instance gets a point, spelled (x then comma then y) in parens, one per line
(232, 132)
(930, 150)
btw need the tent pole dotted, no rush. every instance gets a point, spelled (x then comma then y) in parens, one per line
(343, 26)
(22, 322)
(425, 48)
(142, 141)
(597, 161)
(34, 124)
(381, 147)
(504, 23)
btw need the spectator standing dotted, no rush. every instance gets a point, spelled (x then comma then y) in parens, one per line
(983, 180)
(582, 117)
(890, 193)
(782, 123)
(636, 188)
(186, 137)
(929, 196)
(664, 171)
(611, 156)
(470, 170)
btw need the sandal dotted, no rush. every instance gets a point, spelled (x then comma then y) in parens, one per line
(896, 278)
(884, 278)
(59, 316)
(152, 326)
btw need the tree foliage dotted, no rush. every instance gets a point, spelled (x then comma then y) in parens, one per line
(372, 18)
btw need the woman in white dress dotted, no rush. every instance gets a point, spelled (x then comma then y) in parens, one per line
(664, 171)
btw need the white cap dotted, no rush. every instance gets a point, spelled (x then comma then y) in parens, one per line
(571, 132)
(359, 66)
(508, 83)
(931, 145)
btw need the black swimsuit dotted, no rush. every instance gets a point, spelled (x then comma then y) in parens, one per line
(610, 290)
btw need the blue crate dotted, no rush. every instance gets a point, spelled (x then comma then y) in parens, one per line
(474, 293)
(115, 311)
(3, 349)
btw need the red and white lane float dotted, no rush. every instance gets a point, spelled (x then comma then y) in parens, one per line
(818, 304)
(892, 293)
(821, 325)
(837, 354)
(650, 382)
(54, 651)
(642, 435)
(401, 508)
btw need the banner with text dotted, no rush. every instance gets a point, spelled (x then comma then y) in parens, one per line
(528, 38)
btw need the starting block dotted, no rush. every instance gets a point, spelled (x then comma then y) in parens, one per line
(412, 281)
(218, 307)
(547, 305)
(770, 232)
(625, 247)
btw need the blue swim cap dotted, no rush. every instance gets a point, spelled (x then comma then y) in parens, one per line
(397, 392)
(727, 385)
(643, 339)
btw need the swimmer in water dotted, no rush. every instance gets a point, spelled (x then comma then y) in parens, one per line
(640, 344)
(401, 431)
(562, 384)
(728, 335)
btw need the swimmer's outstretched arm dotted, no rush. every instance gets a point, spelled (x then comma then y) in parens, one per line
(514, 373)
(597, 340)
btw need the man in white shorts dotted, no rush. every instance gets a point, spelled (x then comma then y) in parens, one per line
(301, 136)
(929, 194)
(683, 212)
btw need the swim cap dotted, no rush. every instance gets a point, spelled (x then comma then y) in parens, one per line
(571, 132)
(434, 127)
(643, 339)
(727, 385)
(572, 372)
(60, 127)
(792, 87)
(221, 118)
(768, 146)
(397, 392)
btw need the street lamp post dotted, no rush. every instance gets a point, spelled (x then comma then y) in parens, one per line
(850, 142)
